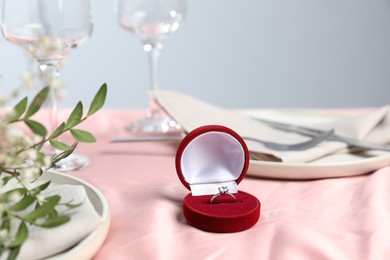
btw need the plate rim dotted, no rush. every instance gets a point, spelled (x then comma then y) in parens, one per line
(91, 244)
(282, 170)
(314, 169)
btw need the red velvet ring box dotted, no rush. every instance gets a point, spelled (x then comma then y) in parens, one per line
(210, 161)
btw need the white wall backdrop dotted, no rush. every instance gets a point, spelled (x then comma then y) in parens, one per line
(249, 53)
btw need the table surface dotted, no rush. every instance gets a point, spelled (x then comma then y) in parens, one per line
(339, 218)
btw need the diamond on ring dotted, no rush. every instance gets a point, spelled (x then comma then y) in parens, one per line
(223, 190)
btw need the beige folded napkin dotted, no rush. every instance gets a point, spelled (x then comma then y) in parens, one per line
(191, 113)
(45, 242)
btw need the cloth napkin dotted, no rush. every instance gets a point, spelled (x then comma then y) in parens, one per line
(45, 242)
(191, 113)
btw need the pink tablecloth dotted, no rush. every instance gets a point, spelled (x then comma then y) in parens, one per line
(342, 218)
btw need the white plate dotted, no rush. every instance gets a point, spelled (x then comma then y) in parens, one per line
(335, 165)
(88, 247)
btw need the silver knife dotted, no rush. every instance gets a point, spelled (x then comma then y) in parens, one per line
(334, 137)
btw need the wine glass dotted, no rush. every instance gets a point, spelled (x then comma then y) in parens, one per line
(48, 30)
(151, 21)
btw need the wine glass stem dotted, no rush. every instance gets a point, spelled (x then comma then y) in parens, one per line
(153, 52)
(50, 74)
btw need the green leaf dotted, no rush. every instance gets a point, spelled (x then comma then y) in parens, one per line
(59, 130)
(64, 154)
(69, 205)
(36, 127)
(14, 252)
(21, 235)
(75, 116)
(55, 221)
(59, 145)
(23, 203)
(98, 101)
(37, 102)
(19, 109)
(40, 145)
(82, 136)
(40, 187)
(44, 209)
(53, 214)
(6, 224)
(2, 249)
(6, 179)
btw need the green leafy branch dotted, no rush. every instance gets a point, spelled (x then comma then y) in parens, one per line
(23, 112)
(44, 215)
(27, 206)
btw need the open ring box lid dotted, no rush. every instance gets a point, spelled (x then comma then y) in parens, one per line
(208, 158)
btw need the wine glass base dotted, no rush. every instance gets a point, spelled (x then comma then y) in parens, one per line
(154, 126)
(71, 163)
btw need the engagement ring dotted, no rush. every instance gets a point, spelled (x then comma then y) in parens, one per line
(224, 190)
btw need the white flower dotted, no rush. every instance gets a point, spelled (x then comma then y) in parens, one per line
(14, 197)
(41, 199)
(61, 93)
(28, 79)
(31, 154)
(36, 139)
(11, 133)
(50, 45)
(29, 173)
(8, 111)
(3, 234)
(46, 162)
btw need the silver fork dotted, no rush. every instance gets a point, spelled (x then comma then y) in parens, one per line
(297, 146)
(271, 145)
(353, 143)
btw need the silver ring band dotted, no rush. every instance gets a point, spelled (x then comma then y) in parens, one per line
(224, 190)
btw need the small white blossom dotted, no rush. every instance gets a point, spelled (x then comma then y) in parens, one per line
(31, 154)
(14, 197)
(28, 174)
(33, 50)
(46, 162)
(27, 78)
(35, 139)
(12, 133)
(8, 111)
(41, 199)
(50, 45)
(61, 93)
(56, 84)
(3, 234)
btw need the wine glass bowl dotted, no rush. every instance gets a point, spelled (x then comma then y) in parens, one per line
(152, 21)
(151, 27)
(48, 30)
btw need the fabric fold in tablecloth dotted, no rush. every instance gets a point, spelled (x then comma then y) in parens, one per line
(191, 113)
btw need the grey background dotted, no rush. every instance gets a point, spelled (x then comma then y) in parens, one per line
(238, 54)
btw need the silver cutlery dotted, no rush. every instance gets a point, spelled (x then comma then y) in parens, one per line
(351, 142)
(316, 139)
